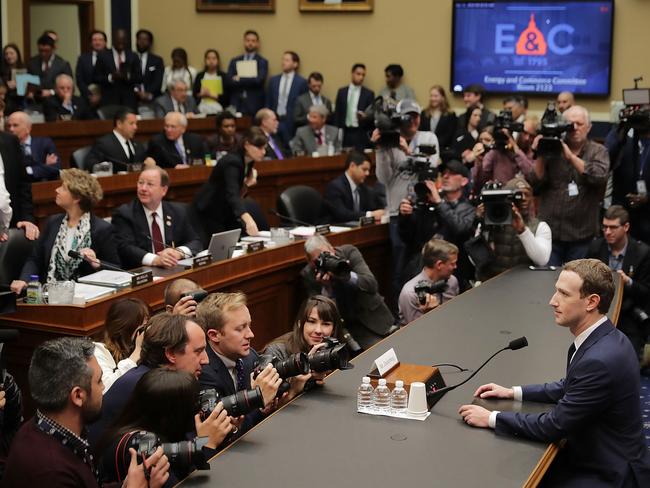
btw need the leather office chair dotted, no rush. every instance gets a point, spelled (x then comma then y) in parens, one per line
(13, 254)
(78, 157)
(107, 112)
(302, 204)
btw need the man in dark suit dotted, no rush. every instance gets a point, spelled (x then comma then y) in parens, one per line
(631, 260)
(596, 406)
(351, 104)
(153, 232)
(86, 63)
(317, 136)
(64, 105)
(266, 119)
(41, 160)
(347, 197)
(283, 91)
(247, 93)
(152, 67)
(176, 148)
(47, 65)
(473, 96)
(356, 293)
(118, 72)
(175, 99)
(118, 147)
(313, 96)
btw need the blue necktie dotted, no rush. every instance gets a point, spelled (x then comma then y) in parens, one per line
(276, 150)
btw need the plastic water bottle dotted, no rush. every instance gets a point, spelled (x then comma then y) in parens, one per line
(381, 399)
(34, 292)
(365, 395)
(330, 149)
(399, 398)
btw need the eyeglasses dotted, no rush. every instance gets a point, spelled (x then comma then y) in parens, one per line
(611, 227)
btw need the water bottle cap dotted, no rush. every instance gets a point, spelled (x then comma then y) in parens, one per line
(33, 277)
(365, 380)
(399, 384)
(382, 382)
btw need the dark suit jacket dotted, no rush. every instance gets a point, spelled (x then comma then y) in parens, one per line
(153, 74)
(224, 98)
(103, 243)
(215, 375)
(132, 231)
(41, 171)
(84, 73)
(118, 92)
(59, 66)
(305, 140)
(163, 105)
(108, 148)
(247, 94)
(270, 153)
(16, 179)
(303, 104)
(164, 152)
(340, 203)
(54, 109)
(298, 87)
(597, 409)
(361, 304)
(365, 99)
(445, 130)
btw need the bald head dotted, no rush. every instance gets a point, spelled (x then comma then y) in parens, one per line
(266, 119)
(175, 289)
(565, 100)
(20, 125)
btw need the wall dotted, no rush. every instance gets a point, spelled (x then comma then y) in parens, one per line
(62, 19)
(414, 33)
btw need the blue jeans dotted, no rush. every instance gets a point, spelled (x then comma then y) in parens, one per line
(565, 251)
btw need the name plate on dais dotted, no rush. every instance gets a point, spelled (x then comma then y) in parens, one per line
(143, 278)
(366, 221)
(254, 246)
(199, 261)
(322, 229)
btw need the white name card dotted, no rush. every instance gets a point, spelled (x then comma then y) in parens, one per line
(386, 362)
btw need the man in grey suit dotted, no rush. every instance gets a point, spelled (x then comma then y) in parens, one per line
(356, 293)
(47, 65)
(176, 99)
(316, 136)
(312, 97)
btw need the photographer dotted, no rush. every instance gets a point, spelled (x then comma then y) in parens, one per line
(631, 260)
(439, 259)
(11, 416)
(445, 214)
(50, 449)
(177, 297)
(526, 240)
(570, 184)
(342, 274)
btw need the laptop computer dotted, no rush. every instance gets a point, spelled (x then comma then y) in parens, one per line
(222, 244)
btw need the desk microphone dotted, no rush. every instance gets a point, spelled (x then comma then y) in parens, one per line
(434, 396)
(290, 219)
(102, 264)
(167, 246)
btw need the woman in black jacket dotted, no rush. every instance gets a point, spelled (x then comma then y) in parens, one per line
(211, 85)
(438, 117)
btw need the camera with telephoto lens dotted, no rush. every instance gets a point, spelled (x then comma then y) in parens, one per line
(333, 356)
(636, 113)
(426, 287)
(504, 121)
(182, 455)
(389, 121)
(421, 166)
(241, 403)
(498, 203)
(197, 295)
(331, 263)
(553, 127)
(294, 365)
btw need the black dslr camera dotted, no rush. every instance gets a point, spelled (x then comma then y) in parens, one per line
(182, 455)
(332, 356)
(241, 403)
(197, 295)
(504, 121)
(498, 203)
(420, 165)
(553, 127)
(295, 365)
(426, 287)
(389, 121)
(331, 263)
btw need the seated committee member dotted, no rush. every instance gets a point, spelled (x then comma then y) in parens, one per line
(356, 294)
(347, 197)
(219, 203)
(65, 105)
(122, 340)
(439, 260)
(266, 119)
(51, 449)
(119, 147)
(78, 229)
(312, 96)
(316, 136)
(226, 139)
(175, 99)
(174, 300)
(151, 231)
(175, 147)
(41, 160)
(596, 406)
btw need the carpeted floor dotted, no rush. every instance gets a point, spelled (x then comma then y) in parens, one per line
(645, 407)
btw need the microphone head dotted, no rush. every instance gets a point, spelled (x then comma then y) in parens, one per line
(518, 343)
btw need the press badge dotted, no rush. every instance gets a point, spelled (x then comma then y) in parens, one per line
(641, 188)
(573, 189)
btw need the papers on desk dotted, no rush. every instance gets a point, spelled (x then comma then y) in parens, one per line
(405, 415)
(24, 79)
(91, 292)
(247, 69)
(303, 232)
(107, 277)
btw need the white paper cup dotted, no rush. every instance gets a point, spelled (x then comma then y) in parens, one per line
(418, 399)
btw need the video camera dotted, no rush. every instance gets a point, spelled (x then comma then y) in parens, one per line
(498, 203)
(421, 166)
(553, 127)
(294, 365)
(389, 121)
(426, 287)
(334, 355)
(241, 403)
(182, 455)
(505, 121)
(331, 263)
(636, 114)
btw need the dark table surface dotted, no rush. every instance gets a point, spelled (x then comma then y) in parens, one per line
(319, 440)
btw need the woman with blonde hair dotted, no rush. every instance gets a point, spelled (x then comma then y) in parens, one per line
(437, 117)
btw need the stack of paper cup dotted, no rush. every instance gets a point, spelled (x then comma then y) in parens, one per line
(418, 400)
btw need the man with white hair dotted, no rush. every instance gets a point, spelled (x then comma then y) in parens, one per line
(176, 99)
(175, 147)
(41, 160)
(65, 105)
(316, 136)
(571, 186)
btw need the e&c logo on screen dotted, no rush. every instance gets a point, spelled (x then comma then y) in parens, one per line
(532, 42)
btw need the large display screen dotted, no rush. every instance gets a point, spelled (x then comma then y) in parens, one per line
(533, 46)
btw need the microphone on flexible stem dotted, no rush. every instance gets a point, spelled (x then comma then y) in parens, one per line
(289, 219)
(102, 264)
(434, 396)
(167, 246)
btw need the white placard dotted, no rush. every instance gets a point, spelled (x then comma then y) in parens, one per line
(247, 69)
(386, 361)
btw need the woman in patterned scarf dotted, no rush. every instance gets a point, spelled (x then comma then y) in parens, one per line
(77, 229)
